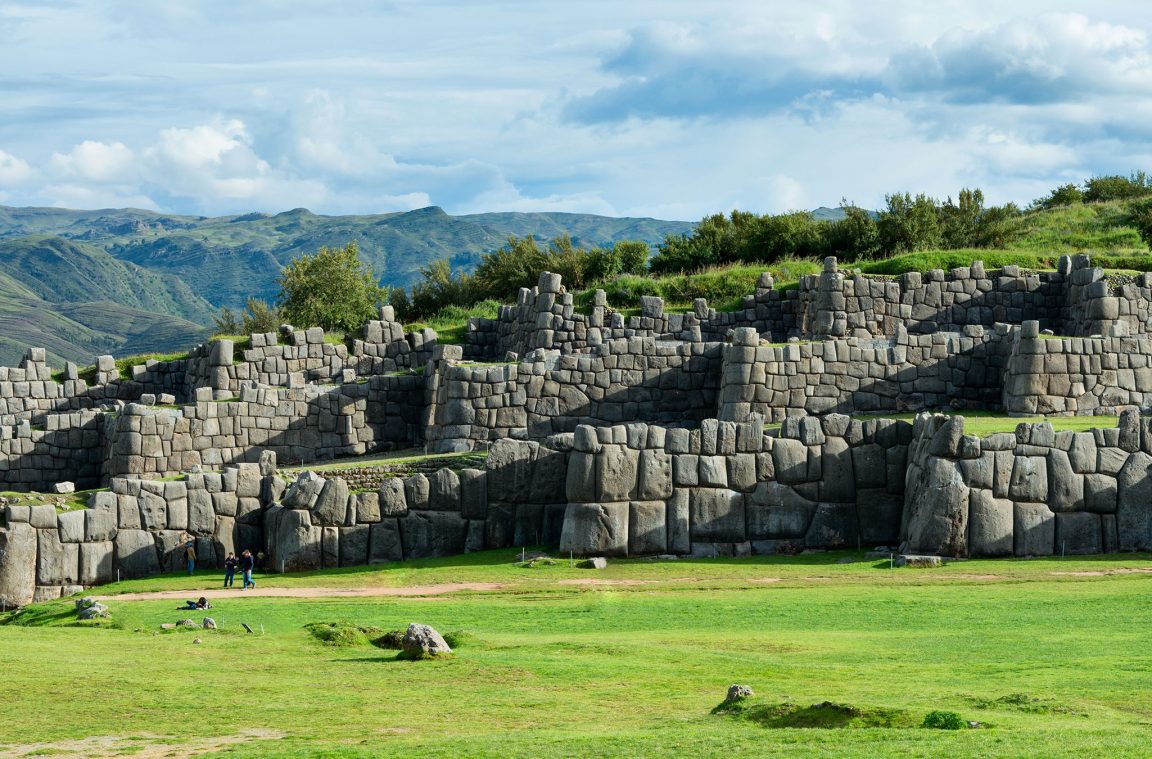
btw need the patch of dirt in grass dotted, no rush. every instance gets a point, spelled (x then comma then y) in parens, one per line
(143, 746)
(218, 593)
(978, 577)
(826, 715)
(596, 581)
(1107, 572)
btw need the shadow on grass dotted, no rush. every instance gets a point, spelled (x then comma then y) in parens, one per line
(825, 716)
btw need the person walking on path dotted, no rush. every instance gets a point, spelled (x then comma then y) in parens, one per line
(247, 564)
(230, 564)
(190, 555)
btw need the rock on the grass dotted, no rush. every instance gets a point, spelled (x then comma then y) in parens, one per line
(422, 640)
(737, 692)
(209, 623)
(64, 487)
(596, 562)
(911, 560)
(90, 608)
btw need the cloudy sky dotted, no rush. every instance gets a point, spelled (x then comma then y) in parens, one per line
(668, 108)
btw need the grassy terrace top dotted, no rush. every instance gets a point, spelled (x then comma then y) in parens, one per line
(630, 660)
(409, 460)
(984, 423)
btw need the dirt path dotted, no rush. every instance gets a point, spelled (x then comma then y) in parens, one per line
(217, 593)
(138, 746)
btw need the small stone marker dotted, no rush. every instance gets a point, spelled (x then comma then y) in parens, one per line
(422, 640)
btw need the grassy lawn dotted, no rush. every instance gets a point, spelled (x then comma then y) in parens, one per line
(1051, 656)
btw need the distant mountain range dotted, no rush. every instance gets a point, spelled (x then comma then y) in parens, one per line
(124, 281)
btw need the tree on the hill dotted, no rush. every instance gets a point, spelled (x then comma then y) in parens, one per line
(909, 224)
(258, 316)
(1140, 216)
(332, 289)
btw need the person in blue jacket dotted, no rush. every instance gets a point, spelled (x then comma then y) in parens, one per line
(247, 564)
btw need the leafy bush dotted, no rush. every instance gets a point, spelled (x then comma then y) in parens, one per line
(341, 633)
(332, 289)
(938, 720)
(1116, 187)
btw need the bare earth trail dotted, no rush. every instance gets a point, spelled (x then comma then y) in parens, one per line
(441, 590)
(217, 593)
(138, 746)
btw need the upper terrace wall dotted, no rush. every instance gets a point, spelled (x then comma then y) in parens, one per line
(621, 380)
(862, 375)
(830, 304)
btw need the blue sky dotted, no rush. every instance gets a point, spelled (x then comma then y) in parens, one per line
(669, 109)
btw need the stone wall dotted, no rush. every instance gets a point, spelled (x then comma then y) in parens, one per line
(1033, 493)
(306, 424)
(1076, 375)
(136, 528)
(139, 527)
(69, 447)
(863, 375)
(620, 380)
(517, 499)
(729, 489)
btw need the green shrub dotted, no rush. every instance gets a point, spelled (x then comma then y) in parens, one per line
(938, 720)
(341, 633)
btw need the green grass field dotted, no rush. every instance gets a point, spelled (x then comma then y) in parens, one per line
(1051, 656)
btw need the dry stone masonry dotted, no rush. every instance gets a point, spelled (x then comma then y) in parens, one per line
(700, 433)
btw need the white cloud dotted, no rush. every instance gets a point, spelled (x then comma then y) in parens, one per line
(675, 109)
(13, 170)
(95, 161)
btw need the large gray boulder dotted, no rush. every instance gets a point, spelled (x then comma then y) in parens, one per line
(433, 533)
(678, 517)
(56, 563)
(937, 511)
(473, 494)
(1079, 533)
(990, 521)
(302, 493)
(384, 542)
(837, 481)
(95, 564)
(616, 472)
(17, 564)
(292, 542)
(834, 525)
(444, 490)
(718, 516)
(393, 501)
(655, 476)
(647, 528)
(1029, 479)
(595, 528)
(354, 545)
(1134, 503)
(1034, 530)
(1065, 486)
(422, 641)
(136, 553)
(777, 511)
(331, 506)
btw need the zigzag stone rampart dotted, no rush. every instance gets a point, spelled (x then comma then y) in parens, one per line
(609, 435)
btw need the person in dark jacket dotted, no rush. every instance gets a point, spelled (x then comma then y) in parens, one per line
(230, 564)
(247, 564)
(190, 555)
